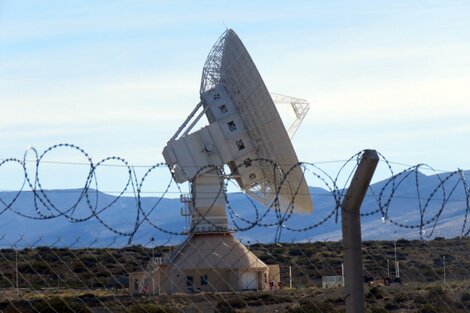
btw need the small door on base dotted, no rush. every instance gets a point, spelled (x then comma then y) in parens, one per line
(249, 281)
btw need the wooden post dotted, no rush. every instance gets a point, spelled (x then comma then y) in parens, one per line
(17, 280)
(351, 227)
(290, 277)
(444, 262)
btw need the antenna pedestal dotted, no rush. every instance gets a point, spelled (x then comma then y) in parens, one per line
(208, 205)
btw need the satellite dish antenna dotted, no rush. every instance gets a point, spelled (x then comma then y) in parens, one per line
(244, 129)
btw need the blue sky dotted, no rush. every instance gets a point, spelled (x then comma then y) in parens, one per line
(118, 77)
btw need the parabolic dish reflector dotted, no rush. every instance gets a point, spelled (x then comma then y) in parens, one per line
(230, 65)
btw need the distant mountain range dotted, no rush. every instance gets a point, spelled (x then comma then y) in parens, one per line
(404, 208)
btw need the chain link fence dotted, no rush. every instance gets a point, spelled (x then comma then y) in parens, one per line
(415, 253)
(427, 276)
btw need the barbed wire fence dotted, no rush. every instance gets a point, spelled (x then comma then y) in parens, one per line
(408, 264)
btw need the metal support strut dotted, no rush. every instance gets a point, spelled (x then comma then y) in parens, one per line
(351, 227)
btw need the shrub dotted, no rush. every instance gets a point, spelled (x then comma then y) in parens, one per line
(63, 305)
(265, 298)
(375, 293)
(376, 309)
(295, 251)
(152, 308)
(390, 306)
(20, 306)
(402, 297)
(89, 299)
(420, 299)
(427, 308)
(465, 297)
(310, 306)
(437, 295)
(224, 307)
(237, 303)
(402, 242)
(338, 300)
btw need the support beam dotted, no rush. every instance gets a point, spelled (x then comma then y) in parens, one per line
(188, 119)
(351, 227)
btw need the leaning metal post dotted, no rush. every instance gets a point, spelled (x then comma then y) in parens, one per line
(351, 226)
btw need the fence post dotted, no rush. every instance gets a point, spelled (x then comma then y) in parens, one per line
(290, 277)
(351, 228)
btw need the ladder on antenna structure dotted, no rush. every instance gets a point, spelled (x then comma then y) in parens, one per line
(186, 200)
(147, 283)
